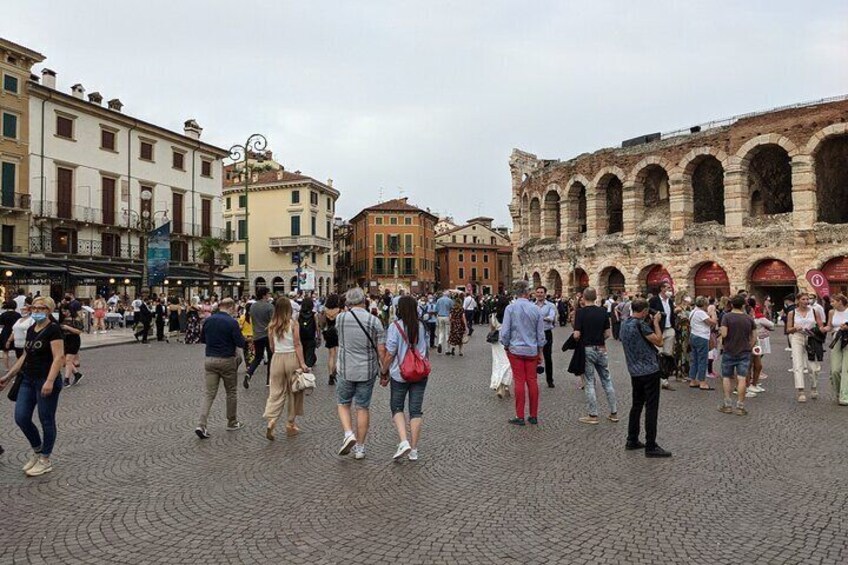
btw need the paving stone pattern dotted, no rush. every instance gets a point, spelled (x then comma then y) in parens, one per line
(133, 484)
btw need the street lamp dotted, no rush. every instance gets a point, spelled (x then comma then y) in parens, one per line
(255, 143)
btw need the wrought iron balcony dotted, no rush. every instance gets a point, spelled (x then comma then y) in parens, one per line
(13, 201)
(83, 248)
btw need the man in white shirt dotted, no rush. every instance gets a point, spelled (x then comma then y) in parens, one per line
(469, 305)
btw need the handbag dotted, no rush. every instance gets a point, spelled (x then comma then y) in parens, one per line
(493, 337)
(302, 381)
(16, 386)
(414, 367)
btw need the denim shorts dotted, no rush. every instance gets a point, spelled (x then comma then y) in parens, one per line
(739, 363)
(416, 397)
(355, 391)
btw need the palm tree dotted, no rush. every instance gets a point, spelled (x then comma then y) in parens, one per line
(210, 249)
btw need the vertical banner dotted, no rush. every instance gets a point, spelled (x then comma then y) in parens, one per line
(158, 254)
(819, 282)
(307, 279)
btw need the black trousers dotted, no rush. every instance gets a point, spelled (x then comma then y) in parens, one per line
(144, 331)
(549, 360)
(431, 329)
(160, 330)
(646, 392)
(469, 321)
(260, 346)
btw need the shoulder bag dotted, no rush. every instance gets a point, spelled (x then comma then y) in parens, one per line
(414, 367)
(302, 381)
(19, 378)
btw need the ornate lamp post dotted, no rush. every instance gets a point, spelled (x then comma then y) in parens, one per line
(255, 143)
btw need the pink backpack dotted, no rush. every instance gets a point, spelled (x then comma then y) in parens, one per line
(414, 367)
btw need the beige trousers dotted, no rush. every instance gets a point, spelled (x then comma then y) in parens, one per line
(220, 369)
(283, 367)
(798, 342)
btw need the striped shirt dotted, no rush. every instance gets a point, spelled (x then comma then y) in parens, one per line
(358, 360)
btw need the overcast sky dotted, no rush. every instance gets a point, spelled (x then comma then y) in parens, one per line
(429, 97)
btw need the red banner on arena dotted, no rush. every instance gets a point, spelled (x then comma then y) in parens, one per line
(819, 282)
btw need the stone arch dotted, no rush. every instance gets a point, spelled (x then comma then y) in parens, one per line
(278, 285)
(776, 288)
(537, 279)
(608, 201)
(259, 282)
(830, 170)
(702, 172)
(650, 205)
(748, 148)
(551, 213)
(554, 282)
(578, 279)
(577, 198)
(651, 276)
(293, 283)
(767, 170)
(612, 281)
(535, 226)
(707, 277)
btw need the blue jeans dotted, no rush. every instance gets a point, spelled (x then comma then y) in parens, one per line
(596, 361)
(698, 358)
(29, 397)
(416, 397)
(739, 363)
(358, 391)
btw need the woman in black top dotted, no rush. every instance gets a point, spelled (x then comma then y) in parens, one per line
(308, 331)
(44, 355)
(72, 329)
(7, 320)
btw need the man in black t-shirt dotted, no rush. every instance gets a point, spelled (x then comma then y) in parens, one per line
(592, 329)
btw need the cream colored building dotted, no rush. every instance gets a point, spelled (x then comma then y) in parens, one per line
(283, 213)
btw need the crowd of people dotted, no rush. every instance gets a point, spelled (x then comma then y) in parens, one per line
(389, 339)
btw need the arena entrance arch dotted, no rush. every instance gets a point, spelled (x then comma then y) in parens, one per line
(579, 280)
(773, 278)
(652, 278)
(554, 283)
(612, 281)
(836, 272)
(711, 280)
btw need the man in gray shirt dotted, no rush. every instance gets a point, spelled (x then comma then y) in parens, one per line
(362, 346)
(260, 315)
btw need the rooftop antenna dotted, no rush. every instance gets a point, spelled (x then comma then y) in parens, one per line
(400, 192)
(479, 207)
(381, 194)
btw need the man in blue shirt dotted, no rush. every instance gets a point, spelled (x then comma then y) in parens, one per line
(549, 314)
(640, 342)
(523, 336)
(443, 308)
(223, 338)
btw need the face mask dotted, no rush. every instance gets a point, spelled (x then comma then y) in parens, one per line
(39, 316)
(668, 293)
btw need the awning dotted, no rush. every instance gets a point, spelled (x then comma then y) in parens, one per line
(178, 272)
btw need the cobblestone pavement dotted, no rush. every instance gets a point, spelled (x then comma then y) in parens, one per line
(133, 484)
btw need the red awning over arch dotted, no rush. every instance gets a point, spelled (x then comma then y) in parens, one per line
(836, 270)
(658, 275)
(711, 274)
(773, 272)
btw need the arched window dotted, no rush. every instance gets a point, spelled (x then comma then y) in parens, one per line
(770, 174)
(831, 164)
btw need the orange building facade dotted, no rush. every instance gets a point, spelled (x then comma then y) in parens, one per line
(393, 246)
(474, 258)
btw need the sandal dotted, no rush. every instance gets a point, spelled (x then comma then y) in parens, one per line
(706, 387)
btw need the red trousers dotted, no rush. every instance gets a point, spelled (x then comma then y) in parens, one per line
(524, 374)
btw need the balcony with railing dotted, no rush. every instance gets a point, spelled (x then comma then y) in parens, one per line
(69, 212)
(84, 248)
(15, 201)
(300, 242)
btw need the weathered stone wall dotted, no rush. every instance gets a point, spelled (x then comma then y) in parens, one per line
(790, 157)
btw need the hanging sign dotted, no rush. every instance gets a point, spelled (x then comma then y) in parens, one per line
(819, 282)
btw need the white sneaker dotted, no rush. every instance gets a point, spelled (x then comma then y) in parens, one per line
(358, 451)
(757, 388)
(403, 448)
(347, 444)
(33, 459)
(750, 394)
(413, 455)
(41, 467)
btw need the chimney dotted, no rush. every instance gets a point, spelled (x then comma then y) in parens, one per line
(192, 129)
(48, 78)
(34, 77)
(115, 104)
(95, 98)
(280, 174)
(330, 183)
(77, 91)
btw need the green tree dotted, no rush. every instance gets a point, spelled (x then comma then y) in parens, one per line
(212, 248)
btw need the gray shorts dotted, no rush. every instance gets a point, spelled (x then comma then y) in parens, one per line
(355, 391)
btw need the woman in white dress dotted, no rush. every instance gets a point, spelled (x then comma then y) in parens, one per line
(501, 369)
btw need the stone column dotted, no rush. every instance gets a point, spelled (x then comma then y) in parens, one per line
(681, 203)
(596, 217)
(804, 203)
(735, 197)
(567, 224)
(633, 209)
